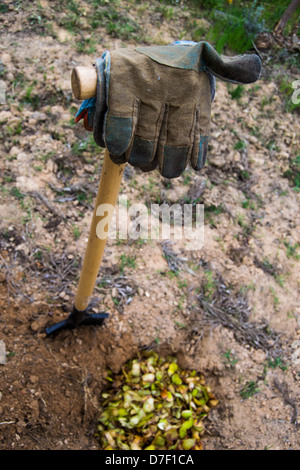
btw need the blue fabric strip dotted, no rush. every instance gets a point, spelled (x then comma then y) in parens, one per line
(88, 104)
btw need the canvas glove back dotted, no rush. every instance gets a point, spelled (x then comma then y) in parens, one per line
(153, 104)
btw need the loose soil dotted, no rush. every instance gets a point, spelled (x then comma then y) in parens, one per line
(230, 309)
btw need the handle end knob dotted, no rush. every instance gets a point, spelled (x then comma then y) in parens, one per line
(84, 82)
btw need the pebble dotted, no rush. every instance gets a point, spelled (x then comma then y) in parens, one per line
(114, 292)
(14, 151)
(140, 291)
(5, 58)
(63, 295)
(283, 156)
(4, 116)
(219, 161)
(38, 324)
(37, 116)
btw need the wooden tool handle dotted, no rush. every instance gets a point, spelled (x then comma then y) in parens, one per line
(84, 86)
(84, 82)
(111, 176)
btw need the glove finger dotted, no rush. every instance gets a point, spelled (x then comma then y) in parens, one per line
(118, 160)
(143, 150)
(244, 68)
(119, 131)
(175, 140)
(120, 117)
(118, 134)
(174, 161)
(191, 117)
(199, 153)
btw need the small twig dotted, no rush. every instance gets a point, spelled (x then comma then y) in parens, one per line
(46, 203)
(85, 391)
(257, 51)
(175, 262)
(232, 311)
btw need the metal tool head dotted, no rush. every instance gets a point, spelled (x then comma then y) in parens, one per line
(75, 319)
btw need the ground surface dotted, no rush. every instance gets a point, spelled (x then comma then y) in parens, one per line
(231, 309)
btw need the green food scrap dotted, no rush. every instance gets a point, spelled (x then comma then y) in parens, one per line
(155, 405)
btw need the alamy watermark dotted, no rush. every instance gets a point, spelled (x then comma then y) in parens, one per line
(296, 352)
(157, 222)
(296, 94)
(2, 352)
(2, 92)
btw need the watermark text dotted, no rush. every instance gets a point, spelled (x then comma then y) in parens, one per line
(155, 222)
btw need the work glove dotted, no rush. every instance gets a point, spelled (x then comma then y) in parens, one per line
(153, 104)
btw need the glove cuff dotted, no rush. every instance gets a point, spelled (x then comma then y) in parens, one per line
(101, 106)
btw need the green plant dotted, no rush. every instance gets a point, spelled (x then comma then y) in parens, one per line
(249, 287)
(17, 193)
(210, 212)
(275, 297)
(35, 18)
(118, 23)
(267, 266)
(236, 27)
(83, 197)
(72, 20)
(180, 325)
(293, 173)
(250, 388)
(173, 274)
(14, 130)
(127, 261)
(31, 98)
(182, 284)
(76, 232)
(10, 354)
(273, 11)
(87, 45)
(237, 24)
(240, 145)
(116, 301)
(237, 92)
(230, 359)
(272, 146)
(38, 255)
(244, 175)
(186, 178)
(166, 11)
(3, 8)
(248, 204)
(180, 302)
(276, 362)
(291, 250)
(84, 145)
(209, 285)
